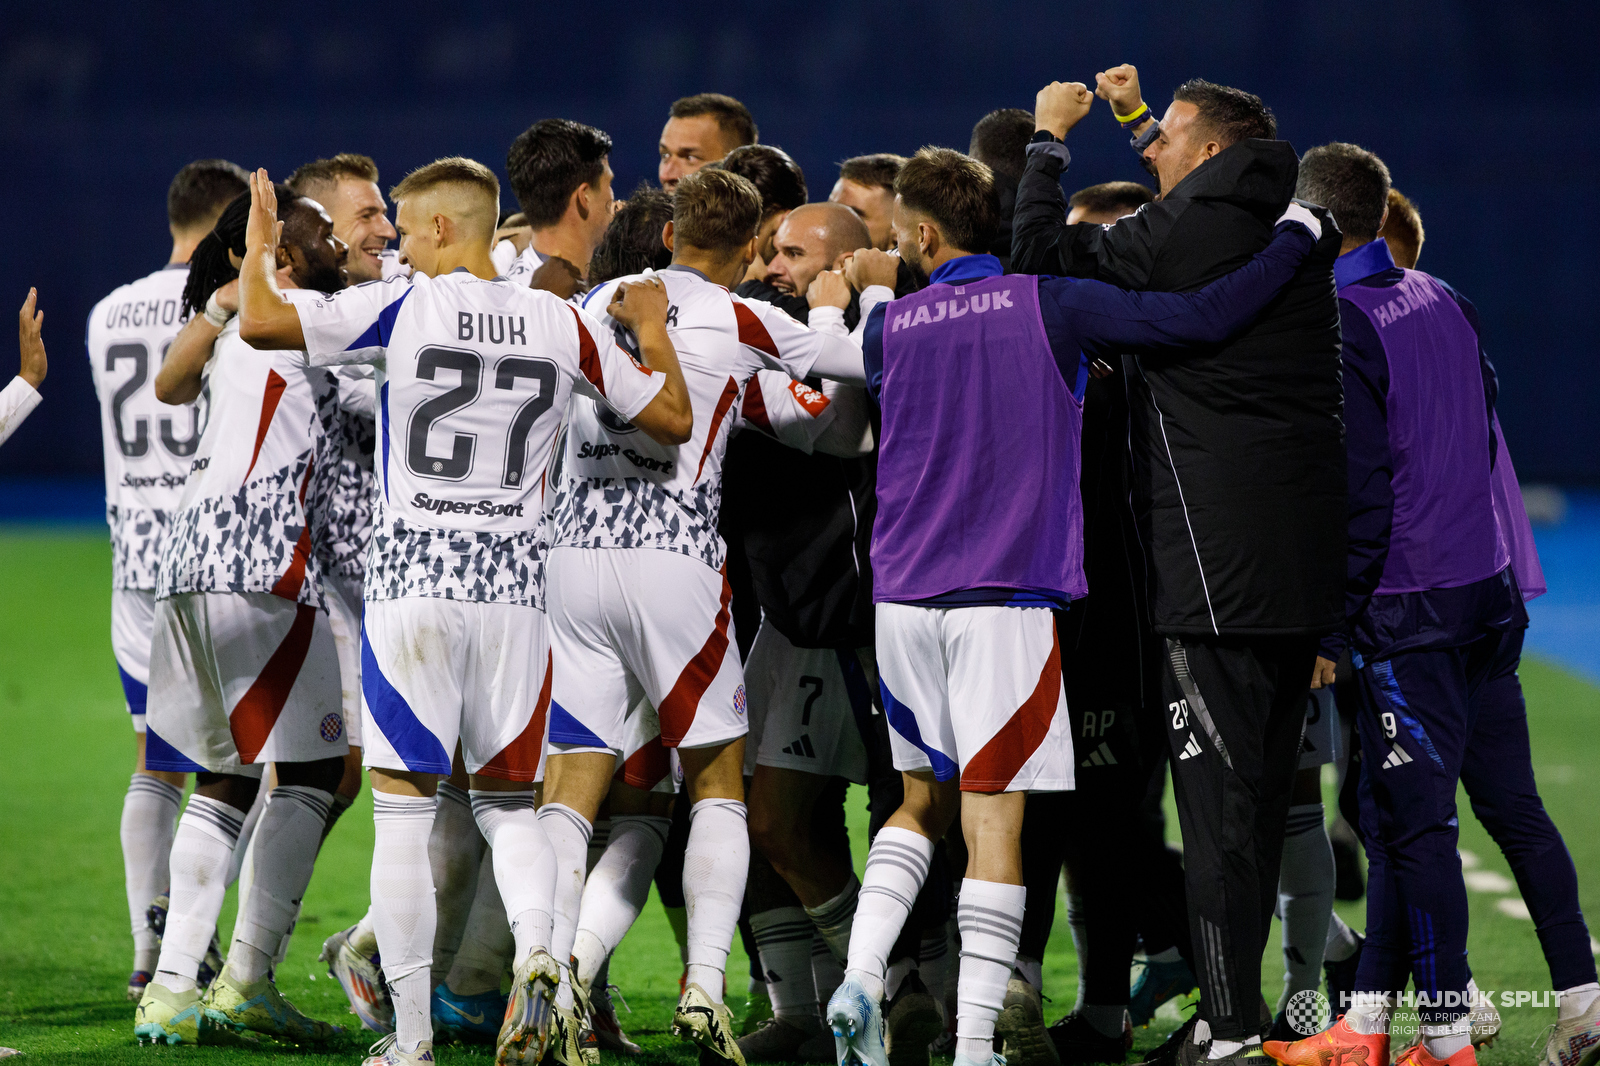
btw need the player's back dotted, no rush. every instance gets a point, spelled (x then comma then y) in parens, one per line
(474, 378)
(243, 522)
(148, 444)
(620, 489)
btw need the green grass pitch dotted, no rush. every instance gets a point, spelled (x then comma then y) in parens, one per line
(65, 756)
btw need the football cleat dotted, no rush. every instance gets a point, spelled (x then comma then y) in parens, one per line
(137, 981)
(1077, 1042)
(1156, 984)
(260, 1008)
(912, 1021)
(1340, 979)
(566, 1037)
(607, 1026)
(167, 1017)
(1337, 1044)
(858, 1026)
(757, 1008)
(1021, 1026)
(1576, 1041)
(466, 1019)
(708, 1025)
(1483, 1017)
(780, 1040)
(361, 977)
(386, 1052)
(1417, 1055)
(525, 1030)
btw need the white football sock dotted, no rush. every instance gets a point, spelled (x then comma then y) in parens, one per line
(834, 918)
(715, 865)
(149, 818)
(455, 851)
(486, 943)
(1305, 899)
(1341, 942)
(1369, 1013)
(898, 971)
(1442, 1041)
(403, 913)
(990, 917)
(247, 833)
(1576, 1000)
(616, 889)
(568, 833)
(897, 865)
(783, 936)
(1221, 1049)
(201, 850)
(289, 834)
(523, 866)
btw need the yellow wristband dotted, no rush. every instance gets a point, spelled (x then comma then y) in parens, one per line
(1142, 110)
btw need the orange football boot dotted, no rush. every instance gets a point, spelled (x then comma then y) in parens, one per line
(1338, 1046)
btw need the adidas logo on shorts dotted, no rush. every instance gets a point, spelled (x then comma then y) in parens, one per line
(802, 747)
(1397, 757)
(1101, 756)
(1191, 749)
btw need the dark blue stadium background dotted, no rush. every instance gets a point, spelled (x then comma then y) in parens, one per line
(1487, 114)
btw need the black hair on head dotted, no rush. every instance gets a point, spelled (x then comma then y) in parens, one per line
(210, 267)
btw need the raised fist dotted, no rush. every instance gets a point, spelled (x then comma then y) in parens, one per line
(1119, 87)
(1060, 105)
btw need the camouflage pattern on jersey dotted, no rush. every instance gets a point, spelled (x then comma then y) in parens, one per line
(408, 560)
(346, 534)
(245, 542)
(634, 512)
(137, 534)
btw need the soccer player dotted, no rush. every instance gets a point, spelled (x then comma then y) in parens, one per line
(346, 185)
(639, 604)
(701, 129)
(782, 185)
(21, 396)
(866, 186)
(1435, 625)
(561, 176)
(1402, 230)
(243, 669)
(475, 374)
(966, 571)
(149, 446)
(812, 239)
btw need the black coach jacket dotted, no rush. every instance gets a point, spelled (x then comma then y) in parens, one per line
(1238, 449)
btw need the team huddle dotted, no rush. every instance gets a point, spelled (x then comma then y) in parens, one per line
(608, 540)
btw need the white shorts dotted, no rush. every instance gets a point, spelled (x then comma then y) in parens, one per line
(133, 619)
(647, 763)
(808, 707)
(1319, 743)
(344, 619)
(435, 671)
(976, 691)
(241, 679)
(640, 623)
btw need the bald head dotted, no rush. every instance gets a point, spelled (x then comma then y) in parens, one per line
(811, 240)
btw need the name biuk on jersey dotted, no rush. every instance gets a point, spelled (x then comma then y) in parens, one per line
(619, 488)
(148, 444)
(244, 521)
(474, 377)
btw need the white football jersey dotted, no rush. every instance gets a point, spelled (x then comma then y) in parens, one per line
(790, 411)
(520, 269)
(474, 377)
(244, 521)
(345, 532)
(619, 488)
(148, 444)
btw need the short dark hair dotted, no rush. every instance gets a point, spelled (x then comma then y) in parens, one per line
(1229, 115)
(1122, 196)
(1351, 182)
(1000, 140)
(733, 118)
(201, 190)
(548, 161)
(632, 243)
(716, 210)
(956, 192)
(774, 173)
(318, 177)
(876, 171)
(1402, 230)
(210, 266)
